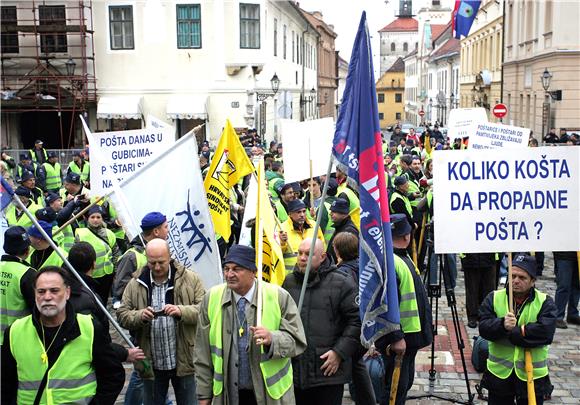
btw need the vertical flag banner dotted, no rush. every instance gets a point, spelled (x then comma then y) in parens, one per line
(357, 147)
(273, 269)
(230, 163)
(167, 185)
(463, 16)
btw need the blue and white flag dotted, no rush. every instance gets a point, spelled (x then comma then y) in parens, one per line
(357, 147)
(171, 183)
(463, 16)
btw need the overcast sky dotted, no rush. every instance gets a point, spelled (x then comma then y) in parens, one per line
(345, 16)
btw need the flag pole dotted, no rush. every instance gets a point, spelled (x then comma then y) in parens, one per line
(315, 234)
(80, 213)
(260, 243)
(71, 268)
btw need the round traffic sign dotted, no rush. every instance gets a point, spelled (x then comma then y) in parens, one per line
(500, 110)
(421, 113)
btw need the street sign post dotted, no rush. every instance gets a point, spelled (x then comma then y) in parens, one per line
(500, 110)
(421, 113)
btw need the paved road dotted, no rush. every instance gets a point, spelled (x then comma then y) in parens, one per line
(564, 357)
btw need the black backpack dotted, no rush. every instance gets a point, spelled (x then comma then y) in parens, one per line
(480, 353)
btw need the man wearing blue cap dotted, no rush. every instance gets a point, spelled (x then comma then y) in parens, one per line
(339, 214)
(29, 181)
(42, 253)
(25, 164)
(530, 327)
(238, 361)
(16, 278)
(296, 228)
(415, 312)
(79, 166)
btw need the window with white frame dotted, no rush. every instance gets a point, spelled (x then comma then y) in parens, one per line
(121, 27)
(188, 26)
(249, 26)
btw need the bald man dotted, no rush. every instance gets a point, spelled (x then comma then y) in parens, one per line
(332, 325)
(161, 308)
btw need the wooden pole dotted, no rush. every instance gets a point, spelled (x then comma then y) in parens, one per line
(395, 379)
(78, 215)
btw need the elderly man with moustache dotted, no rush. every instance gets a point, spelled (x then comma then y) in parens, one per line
(237, 360)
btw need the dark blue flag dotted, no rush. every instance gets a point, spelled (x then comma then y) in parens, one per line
(5, 193)
(463, 16)
(357, 147)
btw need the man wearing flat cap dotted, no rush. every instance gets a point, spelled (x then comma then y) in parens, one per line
(530, 327)
(26, 164)
(415, 312)
(339, 214)
(237, 360)
(287, 193)
(294, 230)
(14, 215)
(16, 278)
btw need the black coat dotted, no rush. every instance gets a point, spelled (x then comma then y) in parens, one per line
(346, 225)
(537, 334)
(108, 369)
(331, 321)
(478, 260)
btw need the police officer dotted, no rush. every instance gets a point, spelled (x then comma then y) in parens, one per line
(339, 214)
(28, 181)
(57, 356)
(42, 254)
(14, 215)
(416, 329)
(80, 166)
(16, 278)
(531, 326)
(399, 201)
(53, 173)
(38, 153)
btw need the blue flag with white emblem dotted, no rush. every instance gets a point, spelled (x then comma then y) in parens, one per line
(357, 147)
(464, 15)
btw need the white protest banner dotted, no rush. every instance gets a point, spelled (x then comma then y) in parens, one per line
(304, 142)
(249, 211)
(489, 135)
(460, 120)
(121, 153)
(154, 122)
(501, 201)
(167, 186)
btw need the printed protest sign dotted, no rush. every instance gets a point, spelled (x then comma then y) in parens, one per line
(461, 119)
(304, 142)
(500, 201)
(489, 135)
(119, 154)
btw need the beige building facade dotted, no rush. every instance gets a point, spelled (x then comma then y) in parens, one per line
(390, 94)
(542, 35)
(481, 59)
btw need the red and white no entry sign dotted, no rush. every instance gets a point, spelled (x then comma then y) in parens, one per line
(500, 110)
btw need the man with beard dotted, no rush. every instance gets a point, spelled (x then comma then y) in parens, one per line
(56, 354)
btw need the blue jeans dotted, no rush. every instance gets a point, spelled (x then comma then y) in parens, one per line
(155, 391)
(567, 290)
(134, 393)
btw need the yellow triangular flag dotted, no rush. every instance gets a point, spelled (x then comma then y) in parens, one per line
(229, 164)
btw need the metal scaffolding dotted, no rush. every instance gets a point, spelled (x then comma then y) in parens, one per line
(47, 59)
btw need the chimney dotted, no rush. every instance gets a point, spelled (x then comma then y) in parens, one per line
(317, 14)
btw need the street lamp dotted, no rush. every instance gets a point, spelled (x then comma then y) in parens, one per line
(70, 66)
(546, 79)
(275, 83)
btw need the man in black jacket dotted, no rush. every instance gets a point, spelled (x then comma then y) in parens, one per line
(342, 223)
(529, 327)
(331, 321)
(58, 329)
(416, 329)
(479, 272)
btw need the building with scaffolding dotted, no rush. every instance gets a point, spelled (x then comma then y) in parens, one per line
(48, 72)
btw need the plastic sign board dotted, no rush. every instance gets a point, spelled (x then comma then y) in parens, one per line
(460, 120)
(500, 201)
(489, 135)
(305, 142)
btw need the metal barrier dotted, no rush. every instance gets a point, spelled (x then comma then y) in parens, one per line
(65, 156)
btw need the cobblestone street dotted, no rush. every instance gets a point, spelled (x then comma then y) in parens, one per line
(564, 355)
